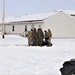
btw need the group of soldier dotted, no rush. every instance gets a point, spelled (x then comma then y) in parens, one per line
(39, 38)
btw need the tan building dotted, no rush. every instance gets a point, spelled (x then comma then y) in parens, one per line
(62, 24)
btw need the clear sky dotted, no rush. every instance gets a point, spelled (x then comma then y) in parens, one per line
(22, 7)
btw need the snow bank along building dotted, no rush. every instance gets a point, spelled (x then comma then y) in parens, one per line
(61, 23)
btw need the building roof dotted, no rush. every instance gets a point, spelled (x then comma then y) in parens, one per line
(67, 11)
(35, 17)
(31, 17)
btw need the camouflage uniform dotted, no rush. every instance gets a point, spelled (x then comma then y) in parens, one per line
(40, 37)
(50, 36)
(46, 37)
(30, 38)
(35, 39)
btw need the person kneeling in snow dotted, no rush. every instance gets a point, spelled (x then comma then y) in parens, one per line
(48, 38)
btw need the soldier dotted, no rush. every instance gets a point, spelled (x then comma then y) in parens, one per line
(46, 37)
(40, 37)
(35, 39)
(30, 38)
(50, 36)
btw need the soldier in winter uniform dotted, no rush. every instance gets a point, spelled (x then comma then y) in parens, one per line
(40, 37)
(30, 38)
(50, 36)
(46, 37)
(35, 39)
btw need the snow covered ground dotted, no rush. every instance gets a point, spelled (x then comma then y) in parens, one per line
(17, 58)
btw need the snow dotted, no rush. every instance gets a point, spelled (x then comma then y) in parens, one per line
(67, 11)
(18, 58)
(39, 16)
(29, 17)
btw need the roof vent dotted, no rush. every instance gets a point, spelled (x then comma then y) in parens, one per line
(25, 14)
(55, 11)
(61, 11)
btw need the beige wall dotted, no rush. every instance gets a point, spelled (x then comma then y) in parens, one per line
(20, 28)
(61, 25)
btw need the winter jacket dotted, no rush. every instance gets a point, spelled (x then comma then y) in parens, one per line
(68, 68)
(30, 38)
(49, 33)
(40, 36)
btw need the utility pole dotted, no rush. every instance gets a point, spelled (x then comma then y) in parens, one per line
(3, 18)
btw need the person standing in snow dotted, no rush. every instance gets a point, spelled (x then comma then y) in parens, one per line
(50, 36)
(35, 39)
(46, 37)
(40, 37)
(30, 38)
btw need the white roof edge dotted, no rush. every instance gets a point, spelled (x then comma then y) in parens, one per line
(28, 17)
(69, 14)
(67, 11)
(41, 16)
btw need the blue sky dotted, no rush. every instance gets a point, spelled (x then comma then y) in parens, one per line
(22, 7)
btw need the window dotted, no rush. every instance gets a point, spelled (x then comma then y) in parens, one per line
(32, 26)
(39, 26)
(13, 28)
(25, 28)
